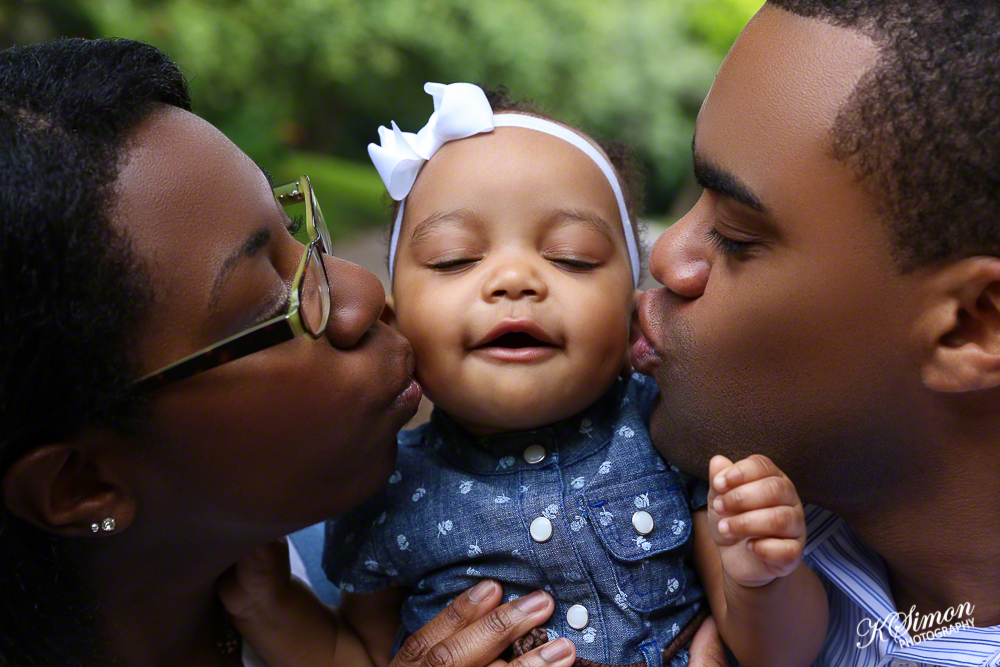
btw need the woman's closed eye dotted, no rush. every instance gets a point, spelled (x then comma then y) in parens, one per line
(295, 225)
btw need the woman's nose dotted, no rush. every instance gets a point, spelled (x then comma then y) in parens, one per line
(681, 259)
(514, 280)
(356, 301)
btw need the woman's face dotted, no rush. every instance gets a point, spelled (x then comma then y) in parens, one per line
(281, 438)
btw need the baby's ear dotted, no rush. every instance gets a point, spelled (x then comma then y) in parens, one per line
(389, 312)
(633, 334)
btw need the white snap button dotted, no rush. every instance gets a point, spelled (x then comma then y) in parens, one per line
(578, 617)
(642, 521)
(534, 453)
(541, 530)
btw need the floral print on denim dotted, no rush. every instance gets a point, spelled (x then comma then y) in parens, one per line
(458, 507)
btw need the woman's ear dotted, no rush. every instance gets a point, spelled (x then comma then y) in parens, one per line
(389, 312)
(68, 488)
(961, 327)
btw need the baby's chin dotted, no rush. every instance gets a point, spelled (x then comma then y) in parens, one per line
(500, 409)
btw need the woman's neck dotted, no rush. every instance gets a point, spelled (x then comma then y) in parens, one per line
(159, 607)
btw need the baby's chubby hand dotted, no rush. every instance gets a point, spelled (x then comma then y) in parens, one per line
(756, 519)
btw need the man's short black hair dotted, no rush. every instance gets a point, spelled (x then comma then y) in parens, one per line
(922, 127)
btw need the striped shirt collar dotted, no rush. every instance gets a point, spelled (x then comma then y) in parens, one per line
(857, 585)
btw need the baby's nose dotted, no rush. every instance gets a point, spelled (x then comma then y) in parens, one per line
(514, 281)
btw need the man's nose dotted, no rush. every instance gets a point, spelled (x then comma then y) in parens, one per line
(681, 259)
(516, 279)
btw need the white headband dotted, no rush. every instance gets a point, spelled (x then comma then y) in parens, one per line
(461, 110)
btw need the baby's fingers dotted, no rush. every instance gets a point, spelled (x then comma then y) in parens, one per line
(780, 521)
(781, 556)
(767, 492)
(718, 465)
(748, 470)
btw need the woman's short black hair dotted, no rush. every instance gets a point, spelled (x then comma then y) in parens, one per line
(71, 293)
(922, 127)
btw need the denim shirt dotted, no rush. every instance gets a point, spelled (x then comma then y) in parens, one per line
(458, 509)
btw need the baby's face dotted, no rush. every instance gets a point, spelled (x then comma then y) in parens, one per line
(512, 280)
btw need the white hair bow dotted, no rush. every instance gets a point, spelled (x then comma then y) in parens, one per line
(460, 110)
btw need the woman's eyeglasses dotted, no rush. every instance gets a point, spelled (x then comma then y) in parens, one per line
(308, 312)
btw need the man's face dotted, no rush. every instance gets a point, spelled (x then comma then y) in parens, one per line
(784, 325)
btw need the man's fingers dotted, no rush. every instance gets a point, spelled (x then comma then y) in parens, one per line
(481, 642)
(749, 469)
(780, 521)
(706, 647)
(464, 610)
(767, 492)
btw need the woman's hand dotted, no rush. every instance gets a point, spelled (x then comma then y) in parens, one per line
(473, 631)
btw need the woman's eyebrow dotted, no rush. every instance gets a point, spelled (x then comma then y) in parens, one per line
(257, 240)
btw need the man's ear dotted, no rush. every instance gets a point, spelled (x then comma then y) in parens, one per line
(69, 487)
(961, 326)
(389, 312)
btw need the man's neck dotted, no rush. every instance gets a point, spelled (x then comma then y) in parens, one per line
(941, 544)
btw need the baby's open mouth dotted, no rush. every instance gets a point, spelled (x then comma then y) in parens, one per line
(520, 341)
(515, 340)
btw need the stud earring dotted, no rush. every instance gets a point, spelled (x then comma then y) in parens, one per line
(107, 525)
(94, 528)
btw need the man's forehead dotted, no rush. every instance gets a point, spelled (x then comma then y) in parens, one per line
(782, 86)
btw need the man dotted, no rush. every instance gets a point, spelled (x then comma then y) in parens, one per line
(833, 302)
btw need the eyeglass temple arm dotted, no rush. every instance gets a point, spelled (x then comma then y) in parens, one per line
(289, 193)
(266, 335)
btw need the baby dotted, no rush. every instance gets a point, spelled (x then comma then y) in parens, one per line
(514, 263)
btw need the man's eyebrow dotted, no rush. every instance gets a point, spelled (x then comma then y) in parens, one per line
(589, 219)
(257, 240)
(267, 174)
(722, 182)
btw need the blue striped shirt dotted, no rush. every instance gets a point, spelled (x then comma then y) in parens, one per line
(857, 585)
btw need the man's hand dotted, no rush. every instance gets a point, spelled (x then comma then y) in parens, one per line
(756, 519)
(707, 649)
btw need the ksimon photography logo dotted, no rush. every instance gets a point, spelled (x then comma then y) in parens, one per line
(912, 627)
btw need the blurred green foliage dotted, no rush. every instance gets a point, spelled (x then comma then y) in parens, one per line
(296, 82)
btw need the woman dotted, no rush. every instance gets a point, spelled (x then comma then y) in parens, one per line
(134, 234)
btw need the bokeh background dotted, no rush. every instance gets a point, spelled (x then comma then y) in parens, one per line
(302, 85)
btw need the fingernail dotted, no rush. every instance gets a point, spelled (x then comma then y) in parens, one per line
(724, 527)
(532, 603)
(556, 650)
(718, 506)
(482, 590)
(720, 482)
